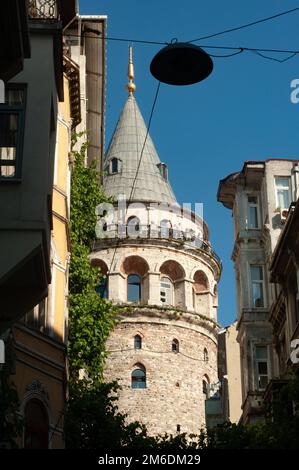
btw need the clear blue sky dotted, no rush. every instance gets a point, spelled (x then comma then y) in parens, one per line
(206, 131)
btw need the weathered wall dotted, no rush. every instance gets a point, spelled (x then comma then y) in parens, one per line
(173, 394)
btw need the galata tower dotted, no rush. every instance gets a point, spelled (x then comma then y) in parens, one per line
(160, 268)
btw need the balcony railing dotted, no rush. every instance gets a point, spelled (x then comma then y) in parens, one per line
(188, 238)
(43, 9)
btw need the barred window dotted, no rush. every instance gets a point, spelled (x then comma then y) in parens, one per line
(12, 118)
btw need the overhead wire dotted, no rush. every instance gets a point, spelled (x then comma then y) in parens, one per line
(206, 46)
(247, 25)
(274, 58)
(239, 49)
(145, 140)
(139, 163)
(228, 55)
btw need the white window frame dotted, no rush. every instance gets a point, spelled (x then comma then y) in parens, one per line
(256, 206)
(289, 189)
(168, 299)
(262, 282)
(257, 361)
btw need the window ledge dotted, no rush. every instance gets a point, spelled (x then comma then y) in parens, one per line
(12, 180)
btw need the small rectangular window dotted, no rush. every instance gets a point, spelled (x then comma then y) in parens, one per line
(134, 288)
(283, 192)
(262, 367)
(166, 291)
(11, 132)
(257, 286)
(252, 212)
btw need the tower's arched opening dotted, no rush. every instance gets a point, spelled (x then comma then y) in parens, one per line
(201, 293)
(136, 268)
(175, 272)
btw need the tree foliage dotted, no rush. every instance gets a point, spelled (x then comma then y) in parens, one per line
(90, 317)
(92, 418)
(11, 422)
(278, 430)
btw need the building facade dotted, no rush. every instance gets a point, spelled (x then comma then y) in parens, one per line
(229, 368)
(85, 43)
(52, 112)
(259, 197)
(40, 337)
(28, 118)
(43, 106)
(161, 271)
(284, 311)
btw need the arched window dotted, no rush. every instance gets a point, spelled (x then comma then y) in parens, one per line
(173, 270)
(165, 228)
(36, 426)
(102, 287)
(175, 346)
(134, 288)
(133, 224)
(114, 165)
(139, 376)
(137, 342)
(176, 273)
(166, 291)
(205, 355)
(201, 283)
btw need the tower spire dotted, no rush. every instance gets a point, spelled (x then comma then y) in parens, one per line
(131, 87)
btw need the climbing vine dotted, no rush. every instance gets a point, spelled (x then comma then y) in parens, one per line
(91, 318)
(92, 419)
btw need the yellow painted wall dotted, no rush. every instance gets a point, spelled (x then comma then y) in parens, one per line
(60, 213)
(40, 354)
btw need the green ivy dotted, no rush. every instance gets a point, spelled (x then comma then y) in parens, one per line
(91, 318)
(92, 418)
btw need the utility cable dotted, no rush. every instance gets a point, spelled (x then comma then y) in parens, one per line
(273, 58)
(139, 163)
(238, 49)
(145, 140)
(247, 25)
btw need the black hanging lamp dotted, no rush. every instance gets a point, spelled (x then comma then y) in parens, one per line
(181, 63)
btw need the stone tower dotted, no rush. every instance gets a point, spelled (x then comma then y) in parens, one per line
(160, 268)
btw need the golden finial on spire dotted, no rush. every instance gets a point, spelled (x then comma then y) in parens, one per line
(131, 87)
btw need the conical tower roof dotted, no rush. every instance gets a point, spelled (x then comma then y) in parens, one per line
(126, 147)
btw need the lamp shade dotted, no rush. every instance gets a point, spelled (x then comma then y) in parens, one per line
(181, 63)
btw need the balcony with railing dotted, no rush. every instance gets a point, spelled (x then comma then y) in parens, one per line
(44, 9)
(187, 238)
(52, 10)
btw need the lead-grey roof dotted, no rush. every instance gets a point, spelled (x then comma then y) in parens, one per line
(126, 145)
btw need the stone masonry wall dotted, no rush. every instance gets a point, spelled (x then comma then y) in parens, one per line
(173, 394)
